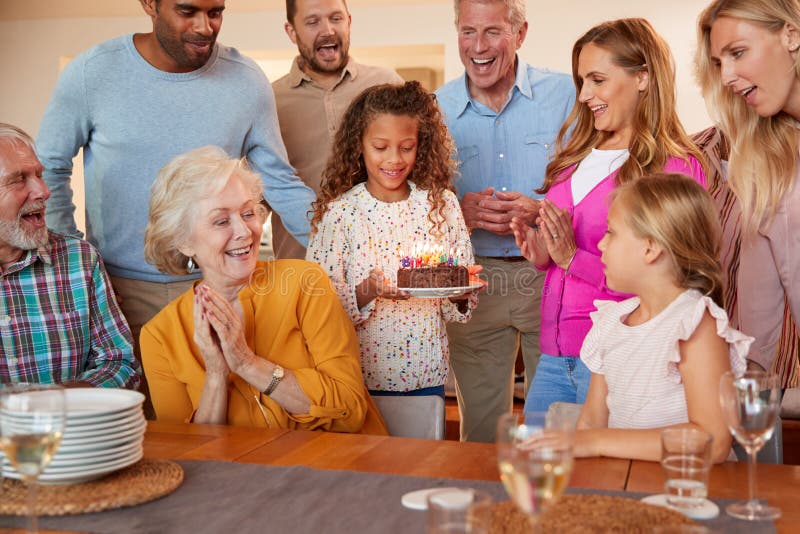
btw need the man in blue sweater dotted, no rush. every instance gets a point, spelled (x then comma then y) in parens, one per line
(134, 102)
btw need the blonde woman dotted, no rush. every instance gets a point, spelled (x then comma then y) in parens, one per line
(747, 66)
(622, 125)
(251, 344)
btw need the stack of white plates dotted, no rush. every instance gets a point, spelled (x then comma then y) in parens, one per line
(104, 433)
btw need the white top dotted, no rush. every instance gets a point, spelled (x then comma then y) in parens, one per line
(594, 168)
(403, 343)
(640, 363)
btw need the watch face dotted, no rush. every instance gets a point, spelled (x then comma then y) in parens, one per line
(278, 372)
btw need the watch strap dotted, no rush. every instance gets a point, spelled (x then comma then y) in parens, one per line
(277, 376)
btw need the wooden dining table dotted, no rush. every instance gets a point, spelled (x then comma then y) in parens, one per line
(778, 484)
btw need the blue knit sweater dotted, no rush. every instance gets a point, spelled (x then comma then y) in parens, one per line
(131, 118)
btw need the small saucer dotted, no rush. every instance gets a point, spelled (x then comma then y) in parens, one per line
(418, 500)
(707, 510)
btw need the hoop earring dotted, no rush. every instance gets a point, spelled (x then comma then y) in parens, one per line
(190, 266)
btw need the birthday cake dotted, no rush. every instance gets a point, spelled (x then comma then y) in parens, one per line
(438, 276)
(431, 267)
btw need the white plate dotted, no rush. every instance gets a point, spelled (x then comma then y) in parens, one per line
(418, 500)
(102, 442)
(96, 419)
(91, 402)
(79, 464)
(85, 428)
(82, 476)
(89, 432)
(97, 456)
(439, 292)
(110, 424)
(96, 449)
(79, 469)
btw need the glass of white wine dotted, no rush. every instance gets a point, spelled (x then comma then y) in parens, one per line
(534, 456)
(32, 420)
(751, 402)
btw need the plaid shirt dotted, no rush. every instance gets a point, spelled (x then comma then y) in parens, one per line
(60, 322)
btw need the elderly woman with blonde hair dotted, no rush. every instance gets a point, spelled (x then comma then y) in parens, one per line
(252, 343)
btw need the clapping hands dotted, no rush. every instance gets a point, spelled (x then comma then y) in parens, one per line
(219, 332)
(552, 238)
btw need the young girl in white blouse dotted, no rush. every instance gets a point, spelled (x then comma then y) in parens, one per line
(657, 358)
(387, 189)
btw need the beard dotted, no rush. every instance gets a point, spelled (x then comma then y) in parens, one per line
(176, 47)
(14, 235)
(308, 53)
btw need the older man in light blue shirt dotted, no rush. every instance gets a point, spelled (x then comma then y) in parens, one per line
(504, 117)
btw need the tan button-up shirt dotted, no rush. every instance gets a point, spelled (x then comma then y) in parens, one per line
(309, 116)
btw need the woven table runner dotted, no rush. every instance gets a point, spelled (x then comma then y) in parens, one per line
(242, 498)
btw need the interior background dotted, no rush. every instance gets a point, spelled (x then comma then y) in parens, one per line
(417, 37)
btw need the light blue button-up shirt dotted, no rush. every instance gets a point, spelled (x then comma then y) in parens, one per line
(508, 150)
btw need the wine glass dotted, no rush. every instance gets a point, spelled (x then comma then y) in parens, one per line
(534, 456)
(751, 403)
(32, 419)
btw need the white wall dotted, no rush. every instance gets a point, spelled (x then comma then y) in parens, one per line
(30, 49)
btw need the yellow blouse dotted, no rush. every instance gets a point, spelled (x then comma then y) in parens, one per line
(292, 317)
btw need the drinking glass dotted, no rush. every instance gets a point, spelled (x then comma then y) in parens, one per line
(534, 456)
(459, 511)
(686, 459)
(751, 403)
(32, 419)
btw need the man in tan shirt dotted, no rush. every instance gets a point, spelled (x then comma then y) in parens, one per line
(313, 97)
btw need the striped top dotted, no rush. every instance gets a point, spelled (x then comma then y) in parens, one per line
(640, 363)
(716, 149)
(403, 343)
(60, 322)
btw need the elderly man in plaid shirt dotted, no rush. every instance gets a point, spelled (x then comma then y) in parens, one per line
(59, 320)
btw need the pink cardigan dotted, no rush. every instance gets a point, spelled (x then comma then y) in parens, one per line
(568, 297)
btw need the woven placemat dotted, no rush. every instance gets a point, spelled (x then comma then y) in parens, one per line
(141, 482)
(588, 514)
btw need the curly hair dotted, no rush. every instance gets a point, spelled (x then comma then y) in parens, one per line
(634, 46)
(433, 168)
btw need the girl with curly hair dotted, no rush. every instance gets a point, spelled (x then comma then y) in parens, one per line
(623, 124)
(387, 189)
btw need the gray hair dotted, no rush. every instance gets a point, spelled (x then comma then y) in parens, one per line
(14, 134)
(180, 185)
(516, 10)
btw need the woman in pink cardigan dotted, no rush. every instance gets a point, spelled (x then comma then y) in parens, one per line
(623, 124)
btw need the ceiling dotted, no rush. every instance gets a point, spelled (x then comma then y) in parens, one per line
(41, 9)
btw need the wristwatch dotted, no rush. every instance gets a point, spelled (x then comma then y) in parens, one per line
(277, 376)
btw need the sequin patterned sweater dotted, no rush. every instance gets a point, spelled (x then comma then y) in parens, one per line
(403, 343)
